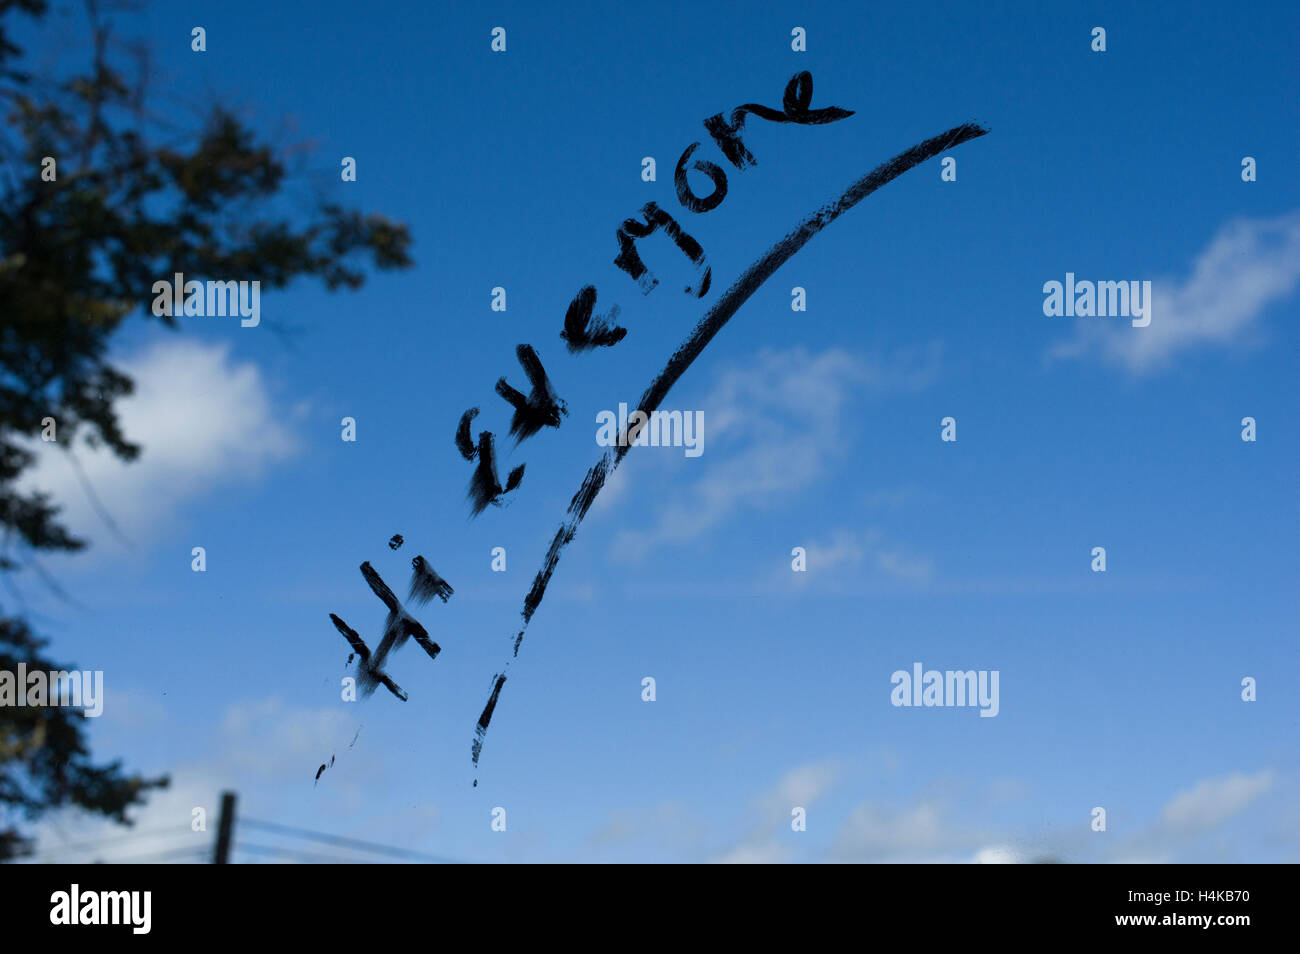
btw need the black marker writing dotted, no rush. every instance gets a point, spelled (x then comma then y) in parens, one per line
(399, 626)
(583, 330)
(712, 322)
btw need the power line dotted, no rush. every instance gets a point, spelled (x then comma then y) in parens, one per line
(100, 842)
(53, 853)
(200, 854)
(307, 856)
(353, 843)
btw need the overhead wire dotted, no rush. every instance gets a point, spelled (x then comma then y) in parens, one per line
(355, 844)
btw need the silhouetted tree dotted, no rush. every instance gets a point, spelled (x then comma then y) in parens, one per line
(131, 200)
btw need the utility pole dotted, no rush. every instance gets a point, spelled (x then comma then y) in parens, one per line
(225, 829)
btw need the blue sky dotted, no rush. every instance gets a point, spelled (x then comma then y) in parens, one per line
(822, 430)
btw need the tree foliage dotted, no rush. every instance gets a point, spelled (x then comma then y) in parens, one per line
(133, 200)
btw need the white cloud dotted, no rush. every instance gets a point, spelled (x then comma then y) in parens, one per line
(925, 831)
(875, 834)
(668, 823)
(768, 852)
(201, 418)
(801, 786)
(1249, 265)
(917, 835)
(274, 740)
(162, 831)
(263, 748)
(798, 788)
(844, 548)
(1215, 800)
(847, 549)
(997, 855)
(772, 428)
(1182, 832)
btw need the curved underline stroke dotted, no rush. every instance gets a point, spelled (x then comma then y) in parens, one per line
(722, 311)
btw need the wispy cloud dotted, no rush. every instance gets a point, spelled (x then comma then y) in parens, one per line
(1213, 801)
(773, 428)
(925, 832)
(1248, 265)
(874, 834)
(265, 749)
(666, 825)
(1190, 817)
(919, 834)
(922, 833)
(850, 552)
(798, 788)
